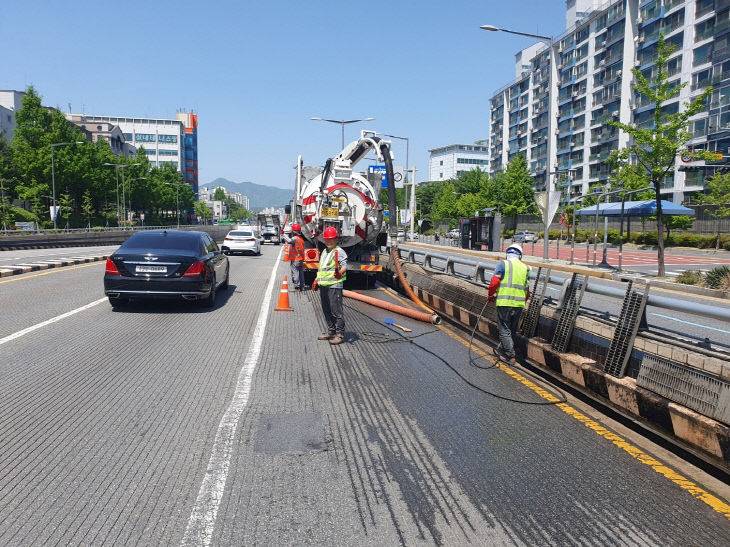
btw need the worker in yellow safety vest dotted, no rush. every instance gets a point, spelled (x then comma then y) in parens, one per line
(331, 274)
(509, 289)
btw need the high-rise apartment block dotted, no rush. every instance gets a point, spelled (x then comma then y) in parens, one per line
(560, 128)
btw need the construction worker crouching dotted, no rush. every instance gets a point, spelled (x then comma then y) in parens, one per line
(294, 253)
(330, 276)
(509, 289)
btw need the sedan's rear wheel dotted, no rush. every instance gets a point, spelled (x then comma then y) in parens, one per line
(209, 301)
(224, 285)
(118, 302)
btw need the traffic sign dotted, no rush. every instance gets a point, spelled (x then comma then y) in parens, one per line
(397, 175)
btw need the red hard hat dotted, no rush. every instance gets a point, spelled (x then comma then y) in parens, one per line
(330, 233)
(296, 227)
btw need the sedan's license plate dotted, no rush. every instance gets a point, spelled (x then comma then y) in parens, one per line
(151, 269)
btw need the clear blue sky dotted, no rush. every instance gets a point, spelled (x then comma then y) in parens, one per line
(256, 72)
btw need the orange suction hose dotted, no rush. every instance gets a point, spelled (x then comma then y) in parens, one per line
(404, 282)
(402, 310)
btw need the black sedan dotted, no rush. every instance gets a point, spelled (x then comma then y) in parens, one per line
(166, 264)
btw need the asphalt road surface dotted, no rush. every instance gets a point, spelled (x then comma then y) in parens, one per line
(170, 424)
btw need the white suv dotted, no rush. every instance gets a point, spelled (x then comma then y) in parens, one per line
(524, 237)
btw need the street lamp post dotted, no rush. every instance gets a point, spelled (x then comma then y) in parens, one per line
(413, 199)
(549, 41)
(177, 202)
(343, 123)
(53, 176)
(130, 190)
(121, 166)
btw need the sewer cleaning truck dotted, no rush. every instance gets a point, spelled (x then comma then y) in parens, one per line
(339, 196)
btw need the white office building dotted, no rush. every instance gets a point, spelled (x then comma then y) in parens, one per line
(10, 102)
(163, 140)
(448, 162)
(563, 125)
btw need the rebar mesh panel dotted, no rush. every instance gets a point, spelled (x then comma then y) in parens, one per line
(689, 387)
(571, 306)
(532, 317)
(624, 334)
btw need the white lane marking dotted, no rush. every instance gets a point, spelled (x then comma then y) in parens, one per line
(49, 321)
(205, 511)
(690, 323)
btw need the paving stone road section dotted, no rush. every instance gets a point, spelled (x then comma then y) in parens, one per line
(107, 423)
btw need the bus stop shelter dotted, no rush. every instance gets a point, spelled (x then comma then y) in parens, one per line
(645, 208)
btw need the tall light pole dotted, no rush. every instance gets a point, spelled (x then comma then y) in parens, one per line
(53, 176)
(549, 41)
(122, 166)
(343, 123)
(116, 172)
(177, 201)
(130, 190)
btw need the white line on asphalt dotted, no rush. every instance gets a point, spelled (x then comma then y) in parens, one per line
(48, 322)
(690, 323)
(205, 511)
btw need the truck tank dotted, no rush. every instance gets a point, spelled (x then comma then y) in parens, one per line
(339, 196)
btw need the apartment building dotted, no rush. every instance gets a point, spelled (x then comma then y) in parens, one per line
(560, 128)
(449, 162)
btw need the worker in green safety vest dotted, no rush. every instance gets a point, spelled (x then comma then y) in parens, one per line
(509, 289)
(331, 275)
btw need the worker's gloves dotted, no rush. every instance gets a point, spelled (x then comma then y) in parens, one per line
(314, 285)
(492, 298)
(338, 274)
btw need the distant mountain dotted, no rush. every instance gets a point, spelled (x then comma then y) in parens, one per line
(259, 196)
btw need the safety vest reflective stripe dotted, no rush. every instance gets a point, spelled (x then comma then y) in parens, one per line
(296, 252)
(513, 288)
(326, 271)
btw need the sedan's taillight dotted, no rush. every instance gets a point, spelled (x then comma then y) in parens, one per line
(228, 239)
(195, 269)
(111, 268)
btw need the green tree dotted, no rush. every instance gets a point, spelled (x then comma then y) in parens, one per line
(219, 195)
(677, 222)
(7, 217)
(202, 210)
(65, 206)
(87, 206)
(470, 182)
(655, 148)
(516, 196)
(445, 203)
(426, 195)
(719, 187)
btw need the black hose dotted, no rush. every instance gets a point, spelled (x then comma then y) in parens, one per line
(377, 338)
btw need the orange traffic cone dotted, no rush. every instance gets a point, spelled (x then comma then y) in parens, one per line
(283, 304)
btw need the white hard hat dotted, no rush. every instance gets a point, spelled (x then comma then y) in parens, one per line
(515, 247)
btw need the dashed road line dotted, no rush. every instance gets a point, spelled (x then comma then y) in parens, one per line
(32, 328)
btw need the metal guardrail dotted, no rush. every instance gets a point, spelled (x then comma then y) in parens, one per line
(480, 269)
(96, 230)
